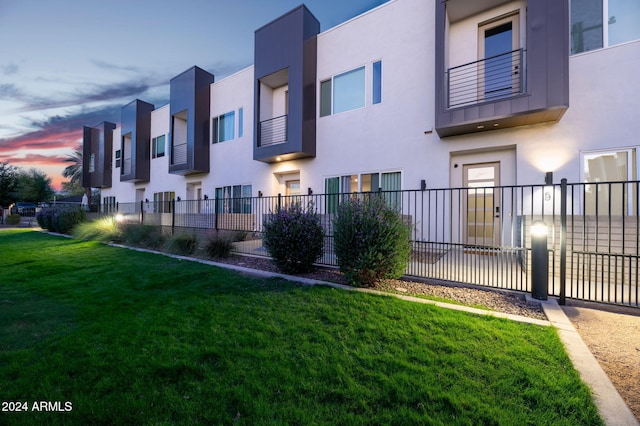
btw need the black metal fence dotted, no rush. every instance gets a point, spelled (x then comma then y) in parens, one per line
(479, 236)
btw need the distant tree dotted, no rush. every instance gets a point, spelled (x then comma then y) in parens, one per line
(8, 184)
(34, 185)
(69, 189)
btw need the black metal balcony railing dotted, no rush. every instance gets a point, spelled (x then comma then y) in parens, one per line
(488, 79)
(273, 131)
(179, 153)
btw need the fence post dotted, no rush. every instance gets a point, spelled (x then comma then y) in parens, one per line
(173, 216)
(279, 202)
(216, 209)
(563, 241)
(141, 212)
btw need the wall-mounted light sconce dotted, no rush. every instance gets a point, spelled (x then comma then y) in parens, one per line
(206, 197)
(548, 178)
(309, 191)
(146, 200)
(423, 185)
(179, 199)
(259, 193)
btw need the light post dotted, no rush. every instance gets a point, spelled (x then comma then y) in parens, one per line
(539, 260)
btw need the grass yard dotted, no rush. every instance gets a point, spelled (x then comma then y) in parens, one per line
(113, 336)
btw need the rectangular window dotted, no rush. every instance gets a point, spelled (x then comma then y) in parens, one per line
(223, 127)
(325, 98)
(92, 163)
(344, 92)
(240, 122)
(348, 91)
(162, 201)
(376, 96)
(623, 21)
(118, 158)
(610, 171)
(233, 199)
(586, 25)
(157, 147)
(602, 23)
(108, 205)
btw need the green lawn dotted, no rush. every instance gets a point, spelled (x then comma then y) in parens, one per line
(136, 338)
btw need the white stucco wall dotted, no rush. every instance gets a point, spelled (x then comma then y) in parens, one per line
(397, 134)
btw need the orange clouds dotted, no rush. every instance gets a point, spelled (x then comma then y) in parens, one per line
(43, 150)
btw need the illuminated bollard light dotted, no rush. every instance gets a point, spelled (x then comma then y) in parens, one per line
(539, 261)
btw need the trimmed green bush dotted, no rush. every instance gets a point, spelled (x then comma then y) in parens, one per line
(183, 244)
(371, 241)
(294, 238)
(218, 246)
(60, 219)
(13, 219)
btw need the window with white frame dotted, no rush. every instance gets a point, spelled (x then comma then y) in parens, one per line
(343, 92)
(240, 122)
(157, 146)
(607, 175)
(233, 199)
(223, 127)
(162, 201)
(337, 188)
(118, 158)
(602, 23)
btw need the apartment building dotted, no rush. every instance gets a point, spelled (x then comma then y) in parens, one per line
(411, 94)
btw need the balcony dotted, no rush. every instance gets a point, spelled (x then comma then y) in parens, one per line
(179, 153)
(273, 131)
(527, 85)
(496, 77)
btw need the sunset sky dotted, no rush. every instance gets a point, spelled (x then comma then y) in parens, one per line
(69, 63)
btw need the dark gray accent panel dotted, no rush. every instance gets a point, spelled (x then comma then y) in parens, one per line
(98, 140)
(191, 97)
(546, 96)
(289, 43)
(136, 123)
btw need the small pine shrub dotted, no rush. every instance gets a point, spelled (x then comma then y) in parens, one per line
(217, 246)
(13, 219)
(183, 244)
(143, 235)
(294, 238)
(371, 241)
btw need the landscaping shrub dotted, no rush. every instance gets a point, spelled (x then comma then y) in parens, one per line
(13, 219)
(149, 236)
(104, 229)
(183, 244)
(294, 237)
(218, 246)
(371, 241)
(60, 219)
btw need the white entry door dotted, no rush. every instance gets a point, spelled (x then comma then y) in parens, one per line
(482, 204)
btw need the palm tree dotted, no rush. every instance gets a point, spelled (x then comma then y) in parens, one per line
(74, 171)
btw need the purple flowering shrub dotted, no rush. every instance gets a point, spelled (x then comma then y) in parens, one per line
(371, 241)
(294, 237)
